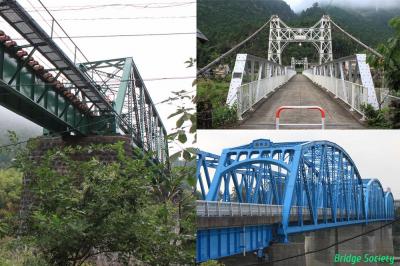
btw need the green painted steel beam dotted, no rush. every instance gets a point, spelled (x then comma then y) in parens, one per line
(25, 93)
(124, 85)
(117, 63)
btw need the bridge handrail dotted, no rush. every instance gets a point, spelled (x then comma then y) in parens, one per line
(223, 209)
(251, 93)
(352, 94)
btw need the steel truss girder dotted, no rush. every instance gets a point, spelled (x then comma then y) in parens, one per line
(280, 35)
(136, 113)
(318, 175)
(17, 17)
(24, 92)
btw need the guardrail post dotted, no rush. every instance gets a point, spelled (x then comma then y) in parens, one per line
(352, 97)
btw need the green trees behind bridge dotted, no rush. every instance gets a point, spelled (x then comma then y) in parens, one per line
(227, 22)
(128, 209)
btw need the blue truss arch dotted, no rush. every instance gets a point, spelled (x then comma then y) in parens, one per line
(389, 205)
(317, 180)
(374, 198)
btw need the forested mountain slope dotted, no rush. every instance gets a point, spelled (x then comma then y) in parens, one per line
(227, 22)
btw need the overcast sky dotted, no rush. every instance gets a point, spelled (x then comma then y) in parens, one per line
(155, 56)
(299, 5)
(376, 153)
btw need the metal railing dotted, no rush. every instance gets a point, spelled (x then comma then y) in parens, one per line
(251, 93)
(282, 108)
(224, 209)
(354, 95)
(385, 99)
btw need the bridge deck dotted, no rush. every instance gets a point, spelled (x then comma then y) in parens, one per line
(301, 91)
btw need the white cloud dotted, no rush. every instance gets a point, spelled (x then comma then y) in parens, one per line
(299, 5)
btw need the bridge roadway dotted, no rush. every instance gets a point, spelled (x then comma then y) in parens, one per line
(301, 91)
(212, 214)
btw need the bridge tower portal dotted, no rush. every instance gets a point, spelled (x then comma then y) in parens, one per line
(280, 35)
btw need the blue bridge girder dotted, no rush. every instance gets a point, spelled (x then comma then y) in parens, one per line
(315, 185)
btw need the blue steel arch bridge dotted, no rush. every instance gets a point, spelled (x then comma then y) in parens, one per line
(341, 86)
(262, 192)
(49, 81)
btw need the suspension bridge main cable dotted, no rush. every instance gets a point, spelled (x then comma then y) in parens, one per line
(356, 40)
(204, 69)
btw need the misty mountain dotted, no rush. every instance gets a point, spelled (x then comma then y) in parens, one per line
(23, 128)
(353, 4)
(227, 22)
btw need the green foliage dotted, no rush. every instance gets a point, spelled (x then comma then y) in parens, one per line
(186, 123)
(376, 118)
(227, 22)
(10, 192)
(390, 63)
(212, 263)
(215, 92)
(93, 207)
(224, 116)
(14, 252)
(390, 66)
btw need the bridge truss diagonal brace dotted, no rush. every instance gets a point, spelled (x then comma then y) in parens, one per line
(319, 184)
(280, 35)
(289, 191)
(132, 105)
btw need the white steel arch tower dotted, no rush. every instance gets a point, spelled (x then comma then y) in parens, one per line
(280, 35)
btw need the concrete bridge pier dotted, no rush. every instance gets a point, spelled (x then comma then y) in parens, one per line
(44, 144)
(376, 243)
(283, 250)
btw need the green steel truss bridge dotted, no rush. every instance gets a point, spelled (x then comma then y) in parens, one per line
(65, 93)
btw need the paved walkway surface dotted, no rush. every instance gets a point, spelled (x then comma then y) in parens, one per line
(301, 91)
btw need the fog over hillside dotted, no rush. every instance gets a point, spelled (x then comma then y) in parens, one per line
(23, 127)
(299, 5)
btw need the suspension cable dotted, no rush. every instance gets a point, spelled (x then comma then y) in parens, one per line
(204, 69)
(356, 40)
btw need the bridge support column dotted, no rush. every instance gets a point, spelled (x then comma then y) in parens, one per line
(376, 243)
(283, 250)
(45, 144)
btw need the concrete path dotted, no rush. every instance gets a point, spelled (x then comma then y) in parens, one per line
(301, 91)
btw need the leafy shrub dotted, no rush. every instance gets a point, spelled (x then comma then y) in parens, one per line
(10, 192)
(376, 118)
(215, 92)
(211, 263)
(224, 116)
(14, 252)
